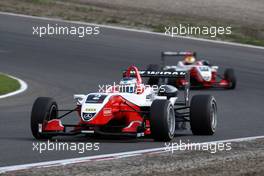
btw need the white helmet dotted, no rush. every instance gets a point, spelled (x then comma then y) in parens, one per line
(128, 85)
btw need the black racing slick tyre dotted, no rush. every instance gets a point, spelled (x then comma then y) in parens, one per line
(203, 115)
(162, 120)
(43, 110)
(231, 78)
(153, 81)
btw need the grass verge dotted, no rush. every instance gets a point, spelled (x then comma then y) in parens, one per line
(128, 17)
(8, 84)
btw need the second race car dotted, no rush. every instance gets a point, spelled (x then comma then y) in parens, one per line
(202, 73)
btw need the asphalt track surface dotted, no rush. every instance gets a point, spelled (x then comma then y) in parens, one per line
(61, 66)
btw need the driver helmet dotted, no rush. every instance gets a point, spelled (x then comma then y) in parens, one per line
(188, 60)
(128, 85)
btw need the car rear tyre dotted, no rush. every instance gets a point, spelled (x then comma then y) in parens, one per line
(231, 78)
(203, 115)
(153, 80)
(162, 120)
(43, 110)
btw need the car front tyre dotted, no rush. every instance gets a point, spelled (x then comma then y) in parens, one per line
(162, 120)
(231, 78)
(43, 110)
(203, 115)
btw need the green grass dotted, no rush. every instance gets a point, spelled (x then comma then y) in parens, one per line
(8, 84)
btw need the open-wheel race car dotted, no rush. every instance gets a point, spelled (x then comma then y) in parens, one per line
(130, 108)
(202, 73)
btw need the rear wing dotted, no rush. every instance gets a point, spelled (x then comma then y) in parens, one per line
(170, 53)
(163, 74)
(181, 53)
(159, 74)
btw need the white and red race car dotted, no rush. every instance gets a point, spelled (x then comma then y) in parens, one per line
(129, 109)
(202, 73)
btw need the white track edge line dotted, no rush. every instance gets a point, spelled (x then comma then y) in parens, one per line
(133, 30)
(23, 87)
(108, 156)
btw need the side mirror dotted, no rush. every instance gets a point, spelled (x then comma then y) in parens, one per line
(168, 91)
(79, 98)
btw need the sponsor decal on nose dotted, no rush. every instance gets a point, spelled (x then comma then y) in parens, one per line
(88, 116)
(107, 111)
